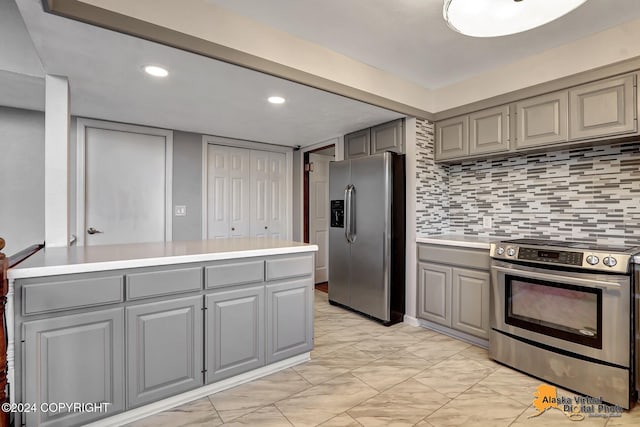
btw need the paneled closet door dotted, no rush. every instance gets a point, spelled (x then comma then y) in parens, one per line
(268, 194)
(229, 192)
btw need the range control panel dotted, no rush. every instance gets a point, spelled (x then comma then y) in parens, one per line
(337, 213)
(555, 257)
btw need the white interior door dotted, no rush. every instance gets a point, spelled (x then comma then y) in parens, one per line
(228, 187)
(126, 194)
(268, 194)
(319, 213)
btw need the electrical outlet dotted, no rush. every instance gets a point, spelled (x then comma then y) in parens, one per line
(181, 210)
(487, 222)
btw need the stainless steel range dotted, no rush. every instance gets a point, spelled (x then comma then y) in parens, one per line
(564, 312)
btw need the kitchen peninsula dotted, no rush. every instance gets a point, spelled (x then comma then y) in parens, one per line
(144, 327)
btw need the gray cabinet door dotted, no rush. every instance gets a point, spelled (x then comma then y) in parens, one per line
(542, 120)
(489, 130)
(434, 293)
(289, 319)
(78, 358)
(357, 144)
(234, 332)
(470, 302)
(452, 138)
(388, 137)
(603, 108)
(164, 354)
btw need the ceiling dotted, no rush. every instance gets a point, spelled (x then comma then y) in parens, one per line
(200, 95)
(409, 38)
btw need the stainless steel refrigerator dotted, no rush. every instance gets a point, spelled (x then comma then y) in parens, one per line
(367, 236)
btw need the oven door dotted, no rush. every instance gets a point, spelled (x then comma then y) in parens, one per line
(582, 313)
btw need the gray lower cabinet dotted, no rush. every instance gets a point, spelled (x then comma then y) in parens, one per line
(76, 358)
(234, 332)
(470, 302)
(434, 293)
(165, 351)
(289, 318)
(453, 288)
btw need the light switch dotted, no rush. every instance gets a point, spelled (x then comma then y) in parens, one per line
(181, 210)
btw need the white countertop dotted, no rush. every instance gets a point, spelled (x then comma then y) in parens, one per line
(82, 259)
(464, 241)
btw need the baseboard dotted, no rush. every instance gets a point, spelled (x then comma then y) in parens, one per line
(454, 334)
(189, 396)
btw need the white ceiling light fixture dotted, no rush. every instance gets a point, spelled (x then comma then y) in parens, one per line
(493, 18)
(276, 100)
(156, 71)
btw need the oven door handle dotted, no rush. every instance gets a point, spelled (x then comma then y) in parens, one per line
(589, 283)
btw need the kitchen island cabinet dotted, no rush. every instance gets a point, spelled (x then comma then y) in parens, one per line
(131, 325)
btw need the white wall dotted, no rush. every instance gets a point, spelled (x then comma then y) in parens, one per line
(410, 248)
(17, 53)
(21, 178)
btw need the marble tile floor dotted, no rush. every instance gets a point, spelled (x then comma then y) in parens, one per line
(363, 374)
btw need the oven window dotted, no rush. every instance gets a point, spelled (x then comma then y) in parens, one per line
(568, 312)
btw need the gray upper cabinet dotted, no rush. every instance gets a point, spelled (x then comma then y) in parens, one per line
(470, 302)
(234, 332)
(378, 139)
(603, 108)
(165, 349)
(357, 144)
(289, 319)
(388, 137)
(542, 120)
(452, 138)
(434, 293)
(77, 358)
(489, 130)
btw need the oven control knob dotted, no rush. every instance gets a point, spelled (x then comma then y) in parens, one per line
(500, 250)
(593, 260)
(610, 261)
(511, 252)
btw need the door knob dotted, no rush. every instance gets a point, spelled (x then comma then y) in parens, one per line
(92, 230)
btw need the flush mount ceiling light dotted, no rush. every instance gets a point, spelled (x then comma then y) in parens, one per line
(276, 100)
(492, 18)
(156, 71)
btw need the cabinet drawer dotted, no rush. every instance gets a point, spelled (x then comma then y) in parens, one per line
(282, 268)
(236, 273)
(67, 294)
(474, 258)
(152, 283)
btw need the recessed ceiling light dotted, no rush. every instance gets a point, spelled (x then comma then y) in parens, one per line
(276, 100)
(492, 18)
(156, 71)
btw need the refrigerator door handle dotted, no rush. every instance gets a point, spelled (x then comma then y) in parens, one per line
(349, 226)
(347, 216)
(352, 214)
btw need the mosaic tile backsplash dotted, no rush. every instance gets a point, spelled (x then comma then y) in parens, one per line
(587, 194)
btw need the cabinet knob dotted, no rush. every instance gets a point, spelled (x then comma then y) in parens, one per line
(265, 227)
(233, 229)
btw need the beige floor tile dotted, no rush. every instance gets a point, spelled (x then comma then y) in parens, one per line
(513, 384)
(198, 413)
(391, 370)
(628, 419)
(342, 420)
(323, 402)
(246, 398)
(437, 347)
(269, 416)
(453, 376)
(402, 405)
(479, 406)
(389, 342)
